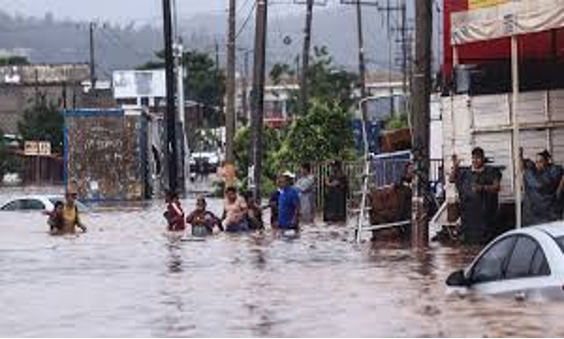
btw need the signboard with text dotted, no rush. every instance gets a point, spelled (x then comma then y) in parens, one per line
(31, 148)
(37, 148)
(45, 148)
(139, 84)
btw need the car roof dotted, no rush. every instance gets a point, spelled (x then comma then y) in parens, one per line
(36, 197)
(33, 197)
(555, 229)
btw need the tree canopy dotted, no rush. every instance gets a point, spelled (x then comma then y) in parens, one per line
(43, 121)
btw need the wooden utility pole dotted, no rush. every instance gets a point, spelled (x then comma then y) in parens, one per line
(421, 94)
(305, 58)
(401, 8)
(257, 95)
(230, 85)
(171, 149)
(93, 77)
(245, 85)
(361, 52)
(361, 56)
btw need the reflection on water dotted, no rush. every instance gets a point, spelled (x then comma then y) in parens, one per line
(126, 277)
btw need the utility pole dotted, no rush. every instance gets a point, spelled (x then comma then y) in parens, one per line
(400, 7)
(184, 150)
(421, 93)
(185, 170)
(305, 58)
(245, 84)
(361, 56)
(257, 95)
(230, 85)
(93, 78)
(405, 48)
(171, 150)
(361, 52)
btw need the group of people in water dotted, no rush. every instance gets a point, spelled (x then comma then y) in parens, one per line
(294, 201)
(241, 213)
(292, 204)
(479, 186)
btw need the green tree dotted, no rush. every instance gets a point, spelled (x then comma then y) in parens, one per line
(272, 142)
(8, 162)
(326, 81)
(325, 134)
(13, 61)
(204, 82)
(279, 71)
(43, 121)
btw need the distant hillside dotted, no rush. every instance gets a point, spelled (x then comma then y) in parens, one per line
(47, 40)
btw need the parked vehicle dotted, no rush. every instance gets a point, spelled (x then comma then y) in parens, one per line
(204, 162)
(525, 263)
(41, 203)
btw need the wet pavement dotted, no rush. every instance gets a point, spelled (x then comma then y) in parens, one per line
(127, 277)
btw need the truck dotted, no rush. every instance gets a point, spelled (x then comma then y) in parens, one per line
(486, 102)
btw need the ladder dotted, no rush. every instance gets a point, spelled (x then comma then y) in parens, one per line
(362, 225)
(364, 199)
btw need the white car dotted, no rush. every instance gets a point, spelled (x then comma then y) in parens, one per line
(41, 203)
(526, 264)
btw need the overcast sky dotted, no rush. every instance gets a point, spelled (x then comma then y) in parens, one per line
(110, 10)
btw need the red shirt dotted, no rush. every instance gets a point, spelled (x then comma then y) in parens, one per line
(176, 222)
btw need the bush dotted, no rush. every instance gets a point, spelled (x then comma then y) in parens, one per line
(325, 134)
(397, 121)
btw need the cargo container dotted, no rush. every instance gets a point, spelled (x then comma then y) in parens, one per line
(113, 155)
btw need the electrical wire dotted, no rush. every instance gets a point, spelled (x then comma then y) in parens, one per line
(246, 21)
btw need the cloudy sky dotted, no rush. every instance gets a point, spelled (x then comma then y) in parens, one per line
(110, 10)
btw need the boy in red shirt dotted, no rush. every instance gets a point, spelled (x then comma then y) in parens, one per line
(174, 213)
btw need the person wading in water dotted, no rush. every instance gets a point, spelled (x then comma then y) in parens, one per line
(70, 214)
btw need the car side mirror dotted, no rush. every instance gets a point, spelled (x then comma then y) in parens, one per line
(458, 279)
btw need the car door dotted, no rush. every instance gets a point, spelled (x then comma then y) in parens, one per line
(488, 273)
(527, 271)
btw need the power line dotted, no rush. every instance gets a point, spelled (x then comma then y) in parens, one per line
(242, 7)
(120, 43)
(246, 21)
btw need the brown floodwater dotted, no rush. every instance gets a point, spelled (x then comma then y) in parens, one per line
(127, 277)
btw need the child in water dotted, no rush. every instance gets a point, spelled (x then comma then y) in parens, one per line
(202, 220)
(174, 214)
(56, 221)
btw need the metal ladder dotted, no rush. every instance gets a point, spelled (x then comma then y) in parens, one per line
(364, 199)
(364, 225)
(365, 175)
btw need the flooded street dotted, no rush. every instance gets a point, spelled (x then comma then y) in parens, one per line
(126, 277)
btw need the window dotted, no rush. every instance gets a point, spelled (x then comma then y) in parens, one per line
(32, 205)
(12, 206)
(490, 266)
(526, 253)
(539, 267)
(560, 242)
